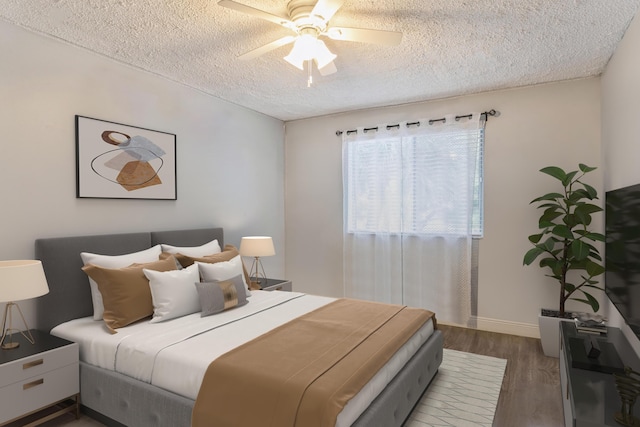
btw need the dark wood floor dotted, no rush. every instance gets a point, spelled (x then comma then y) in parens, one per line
(530, 395)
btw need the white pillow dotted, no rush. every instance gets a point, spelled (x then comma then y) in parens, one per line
(114, 261)
(173, 292)
(224, 270)
(213, 247)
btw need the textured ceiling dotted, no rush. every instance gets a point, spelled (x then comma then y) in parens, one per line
(449, 47)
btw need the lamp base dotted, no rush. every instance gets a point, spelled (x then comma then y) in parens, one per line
(257, 278)
(7, 331)
(10, 345)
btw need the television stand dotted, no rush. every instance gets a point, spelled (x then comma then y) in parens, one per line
(589, 395)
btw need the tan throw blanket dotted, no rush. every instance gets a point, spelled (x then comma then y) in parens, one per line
(305, 371)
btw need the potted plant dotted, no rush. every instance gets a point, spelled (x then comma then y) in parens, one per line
(565, 245)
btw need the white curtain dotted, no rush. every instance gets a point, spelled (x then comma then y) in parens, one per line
(408, 214)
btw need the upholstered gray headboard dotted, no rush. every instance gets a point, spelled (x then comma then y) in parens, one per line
(69, 295)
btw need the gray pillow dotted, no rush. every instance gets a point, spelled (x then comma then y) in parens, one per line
(219, 295)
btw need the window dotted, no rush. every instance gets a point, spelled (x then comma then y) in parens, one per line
(415, 184)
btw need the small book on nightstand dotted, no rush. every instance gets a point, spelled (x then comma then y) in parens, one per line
(591, 327)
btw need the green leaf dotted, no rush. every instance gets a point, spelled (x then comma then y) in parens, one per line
(531, 255)
(595, 236)
(594, 269)
(555, 172)
(588, 208)
(548, 196)
(562, 231)
(535, 238)
(582, 218)
(545, 224)
(584, 168)
(549, 205)
(549, 215)
(549, 244)
(595, 255)
(591, 283)
(593, 194)
(595, 305)
(578, 194)
(569, 178)
(579, 249)
(570, 220)
(555, 266)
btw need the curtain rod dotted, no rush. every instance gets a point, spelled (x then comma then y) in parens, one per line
(486, 114)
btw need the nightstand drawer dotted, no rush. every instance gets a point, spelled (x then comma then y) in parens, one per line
(37, 364)
(38, 391)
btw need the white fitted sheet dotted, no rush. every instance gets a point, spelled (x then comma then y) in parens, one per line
(155, 352)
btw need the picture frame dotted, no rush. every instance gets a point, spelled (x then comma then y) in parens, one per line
(118, 161)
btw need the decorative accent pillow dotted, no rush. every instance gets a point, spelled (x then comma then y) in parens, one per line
(223, 270)
(207, 249)
(114, 261)
(220, 295)
(229, 252)
(172, 292)
(185, 260)
(125, 291)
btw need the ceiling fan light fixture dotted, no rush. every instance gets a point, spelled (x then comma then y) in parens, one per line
(323, 55)
(306, 48)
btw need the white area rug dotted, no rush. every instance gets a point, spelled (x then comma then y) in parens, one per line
(464, 392)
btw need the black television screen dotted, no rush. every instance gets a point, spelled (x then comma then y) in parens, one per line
(622, 252)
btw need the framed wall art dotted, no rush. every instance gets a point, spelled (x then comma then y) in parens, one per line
(117, 161)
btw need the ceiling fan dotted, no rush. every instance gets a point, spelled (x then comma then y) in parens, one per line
(309, 20)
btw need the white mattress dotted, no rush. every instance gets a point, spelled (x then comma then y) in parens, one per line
(155, 352)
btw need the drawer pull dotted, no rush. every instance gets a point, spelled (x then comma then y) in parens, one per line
(279, 288)
(33, 363)
(33, 384)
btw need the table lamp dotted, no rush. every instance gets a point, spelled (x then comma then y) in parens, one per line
(19, 280)
(256, 247)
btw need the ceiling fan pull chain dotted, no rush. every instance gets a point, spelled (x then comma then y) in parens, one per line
(309, 70)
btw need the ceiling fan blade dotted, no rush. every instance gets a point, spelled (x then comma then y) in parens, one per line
(364, 35)
(267, 48)
(285, 22)
(326, 8)
(330, 68)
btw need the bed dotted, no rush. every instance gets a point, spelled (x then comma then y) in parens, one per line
(117, 399)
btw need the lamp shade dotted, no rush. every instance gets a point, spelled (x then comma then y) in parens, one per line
(22, 279)
(257, 246)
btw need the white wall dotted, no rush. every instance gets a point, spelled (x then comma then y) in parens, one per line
(230, 161)
(621, 127)
(554, 124)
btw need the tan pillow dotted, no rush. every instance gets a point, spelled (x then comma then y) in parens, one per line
(125, 291)
(228, 253)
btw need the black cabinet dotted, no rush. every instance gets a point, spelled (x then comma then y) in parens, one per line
(589, 397)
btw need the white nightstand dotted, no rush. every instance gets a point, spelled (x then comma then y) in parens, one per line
(276, 285)
(37, 376)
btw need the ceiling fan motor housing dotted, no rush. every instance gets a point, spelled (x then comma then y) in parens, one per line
(300, 14)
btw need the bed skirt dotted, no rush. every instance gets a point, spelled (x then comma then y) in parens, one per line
(117, 400)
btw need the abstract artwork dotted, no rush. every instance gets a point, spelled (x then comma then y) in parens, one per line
(118, 161)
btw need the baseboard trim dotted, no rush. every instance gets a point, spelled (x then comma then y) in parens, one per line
(500, 326)
(508, 327)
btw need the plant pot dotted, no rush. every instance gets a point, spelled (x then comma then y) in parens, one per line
(549, 326)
